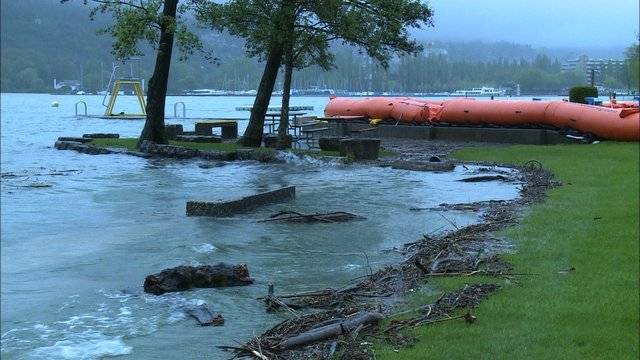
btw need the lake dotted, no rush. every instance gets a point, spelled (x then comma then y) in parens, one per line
(75, 254)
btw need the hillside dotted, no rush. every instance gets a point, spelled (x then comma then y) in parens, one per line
(44, 40)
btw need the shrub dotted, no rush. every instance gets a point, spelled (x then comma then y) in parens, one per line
(578, 94)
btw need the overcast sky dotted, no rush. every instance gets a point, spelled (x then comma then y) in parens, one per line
(542, 23)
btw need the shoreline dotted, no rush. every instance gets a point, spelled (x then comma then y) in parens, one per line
(384, 291)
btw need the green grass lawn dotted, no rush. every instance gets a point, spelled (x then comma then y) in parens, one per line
(590, 223)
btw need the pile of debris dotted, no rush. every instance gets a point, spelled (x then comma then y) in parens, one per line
(336, 321)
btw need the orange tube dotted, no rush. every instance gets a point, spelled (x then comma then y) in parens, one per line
(607, 123)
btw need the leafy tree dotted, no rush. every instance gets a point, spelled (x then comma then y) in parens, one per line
(157, 22)
(632, 66)
(273, 28)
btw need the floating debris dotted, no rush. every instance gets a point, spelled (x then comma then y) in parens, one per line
(183, 278)
(37, 185)
(204, 316)
(296, 217)
(462, 252)
(486, 178)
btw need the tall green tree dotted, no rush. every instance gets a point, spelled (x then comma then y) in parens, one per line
(378, 28)
(157, 22)
(632, 66)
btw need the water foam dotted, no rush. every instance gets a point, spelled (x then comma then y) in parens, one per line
(301, 159)
(87, 345)
(204, 248)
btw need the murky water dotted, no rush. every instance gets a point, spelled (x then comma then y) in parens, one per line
(69, 250)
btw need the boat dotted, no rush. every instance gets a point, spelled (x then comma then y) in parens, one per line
(205, 92)
(603, 122)
(479, 92)
(313, 91)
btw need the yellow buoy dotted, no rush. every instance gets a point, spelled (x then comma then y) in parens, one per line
(55, 104)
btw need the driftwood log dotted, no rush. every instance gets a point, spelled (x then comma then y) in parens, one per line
(183, 278)
(296, 217)
(331, 330)
(486, 178)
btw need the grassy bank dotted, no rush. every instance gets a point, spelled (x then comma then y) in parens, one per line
(589, 224)
(130, 144)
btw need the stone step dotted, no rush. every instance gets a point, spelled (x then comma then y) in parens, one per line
(199, 138)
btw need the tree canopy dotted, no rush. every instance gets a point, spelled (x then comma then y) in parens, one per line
(141, 21)
(302, 31)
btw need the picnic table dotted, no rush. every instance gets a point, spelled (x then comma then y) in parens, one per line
(228, 128)
(271, 125)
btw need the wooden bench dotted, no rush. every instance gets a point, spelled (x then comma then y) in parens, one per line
(228, 128)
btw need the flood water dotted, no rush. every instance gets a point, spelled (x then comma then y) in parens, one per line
(75, 254)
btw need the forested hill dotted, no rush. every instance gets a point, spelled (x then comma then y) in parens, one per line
(43, 40)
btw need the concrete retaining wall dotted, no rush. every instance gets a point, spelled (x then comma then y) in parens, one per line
(227, 208)
(453, 133)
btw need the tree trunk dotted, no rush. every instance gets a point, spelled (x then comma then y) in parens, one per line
(284, 112)
(157, 90)
(255, 129)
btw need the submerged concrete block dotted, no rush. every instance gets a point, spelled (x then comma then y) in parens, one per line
(227, 208)
(360, 149)
(423, 165)
(330, 143)
(101, 136)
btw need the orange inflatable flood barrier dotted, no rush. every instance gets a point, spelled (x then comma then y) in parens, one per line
(603, 122)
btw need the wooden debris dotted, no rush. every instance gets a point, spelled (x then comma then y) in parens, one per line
(486, 178)
(458, 253)
(205, 317)
(296, 217)
(332, 330)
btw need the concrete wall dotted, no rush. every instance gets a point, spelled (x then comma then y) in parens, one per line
(452, 133)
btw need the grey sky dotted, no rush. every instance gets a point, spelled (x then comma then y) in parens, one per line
(542, 23)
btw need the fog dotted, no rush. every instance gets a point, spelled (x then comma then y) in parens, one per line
(541, 23)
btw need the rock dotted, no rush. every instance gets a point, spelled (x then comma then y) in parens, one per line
(271, 140)
(204, 316)
(434, 159)
(199, 138)
(173, 151)
(210, 165)
(423, 166)
(80, 147)
(261, 155)
(183, 278)
(360, 149)
(173, 130)
(74, 139)
(101, 136)
(227, 208)
(218, 155)
(331, 143)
